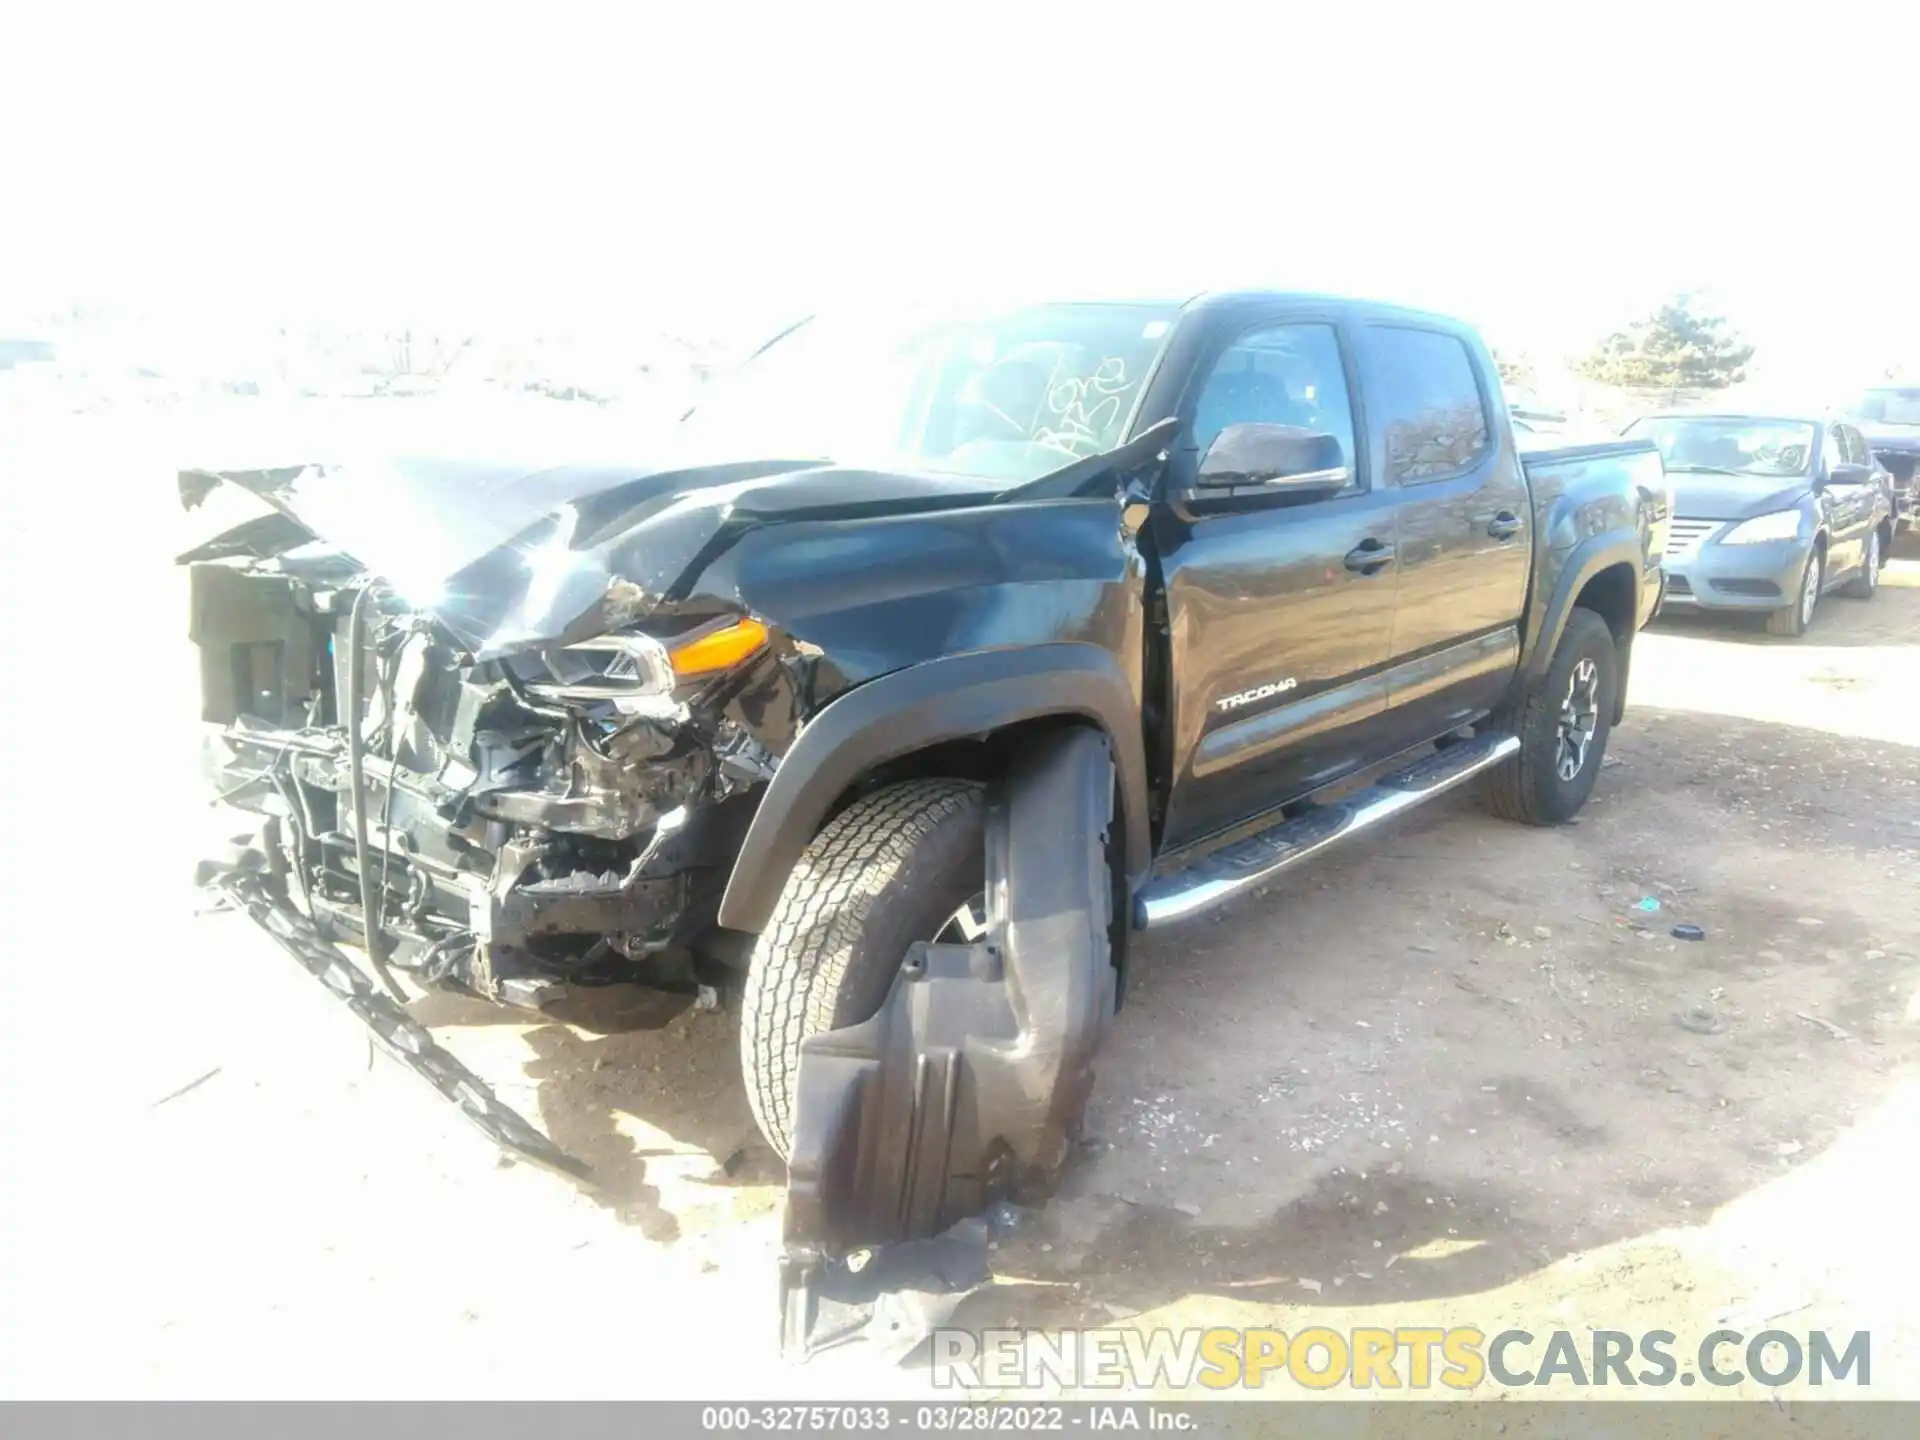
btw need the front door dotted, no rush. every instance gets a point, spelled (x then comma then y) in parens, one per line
(1279, 613)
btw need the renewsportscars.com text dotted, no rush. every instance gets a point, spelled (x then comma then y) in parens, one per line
(1408, 1357)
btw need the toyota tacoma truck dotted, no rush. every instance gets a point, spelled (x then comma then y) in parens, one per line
(925, 661)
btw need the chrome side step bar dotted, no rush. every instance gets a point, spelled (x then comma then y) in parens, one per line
(1246, 864)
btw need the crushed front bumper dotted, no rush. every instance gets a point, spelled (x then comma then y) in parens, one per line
(911, 1129)
(465, 900)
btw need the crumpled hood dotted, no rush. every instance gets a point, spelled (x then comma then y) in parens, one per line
(508, 557)
(1730, 497)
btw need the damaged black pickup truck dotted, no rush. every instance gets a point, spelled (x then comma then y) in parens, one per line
(922, 664)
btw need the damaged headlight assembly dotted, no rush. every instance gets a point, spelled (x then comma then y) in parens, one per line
(639, 674)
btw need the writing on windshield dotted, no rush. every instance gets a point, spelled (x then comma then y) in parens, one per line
(1738, 444)
(1011, 396)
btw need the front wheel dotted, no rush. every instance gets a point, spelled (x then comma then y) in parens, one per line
(903, 864)
(1563, 723)
(1862, 586)
(1792, 620)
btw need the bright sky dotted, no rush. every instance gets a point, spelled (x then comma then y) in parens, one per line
(1548, 171)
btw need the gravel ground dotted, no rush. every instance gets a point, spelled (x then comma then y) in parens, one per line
(1462, 1074)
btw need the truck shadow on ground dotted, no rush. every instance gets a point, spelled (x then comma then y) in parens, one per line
(661, 1117)
(646, 1089)
(1542, 1070)
(1518, 1095)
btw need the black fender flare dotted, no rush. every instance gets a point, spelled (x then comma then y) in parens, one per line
(1572, 572)
(952, 698)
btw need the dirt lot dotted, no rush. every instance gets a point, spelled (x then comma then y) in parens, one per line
(1461, 1075)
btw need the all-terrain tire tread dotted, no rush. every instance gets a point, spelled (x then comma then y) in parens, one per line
(795, 983)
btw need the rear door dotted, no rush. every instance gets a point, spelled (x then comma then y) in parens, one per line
(1466, 526)
(1279, 611)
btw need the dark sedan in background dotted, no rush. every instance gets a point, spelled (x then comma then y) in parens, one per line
(1770, 512)
(1889, 417)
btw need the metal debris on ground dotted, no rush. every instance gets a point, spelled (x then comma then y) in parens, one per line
(191, 1085)
(1827, 1025)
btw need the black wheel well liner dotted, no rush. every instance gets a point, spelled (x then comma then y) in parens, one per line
(957, 711)
(1603, 574)
(1612, 594)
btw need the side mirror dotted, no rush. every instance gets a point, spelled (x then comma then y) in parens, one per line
(1848, 474)
(1281, 458)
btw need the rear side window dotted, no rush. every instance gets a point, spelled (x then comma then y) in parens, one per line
(1421, 385)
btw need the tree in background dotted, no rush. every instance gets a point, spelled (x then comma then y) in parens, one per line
(1676, 348)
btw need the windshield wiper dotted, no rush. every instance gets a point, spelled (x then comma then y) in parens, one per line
(1715, 470)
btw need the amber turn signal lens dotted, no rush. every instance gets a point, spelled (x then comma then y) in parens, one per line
(719, 649)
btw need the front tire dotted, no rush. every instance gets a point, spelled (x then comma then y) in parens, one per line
(1862, 586)
(1791, 621)
(895, 867)
(1563, 723)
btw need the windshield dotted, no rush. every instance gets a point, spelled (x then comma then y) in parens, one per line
(1010, 396)
(1735, 444)
(1889, 407)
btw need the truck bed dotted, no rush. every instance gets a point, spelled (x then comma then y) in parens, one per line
(1561, 470)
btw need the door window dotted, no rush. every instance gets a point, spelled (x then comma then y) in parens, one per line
(1280, 375)
(1423, 386)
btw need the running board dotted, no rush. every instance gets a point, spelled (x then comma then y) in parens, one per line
(1246, 864)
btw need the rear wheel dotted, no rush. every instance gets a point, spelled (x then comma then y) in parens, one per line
(905, 863)
(1792, 620)
(1862, 586)
(1563, 723)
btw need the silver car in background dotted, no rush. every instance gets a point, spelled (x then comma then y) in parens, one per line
(1770, 512)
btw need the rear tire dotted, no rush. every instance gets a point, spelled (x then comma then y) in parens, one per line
(1791, 620)
(1862, 586)
(1563, 723)
(891, 869)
